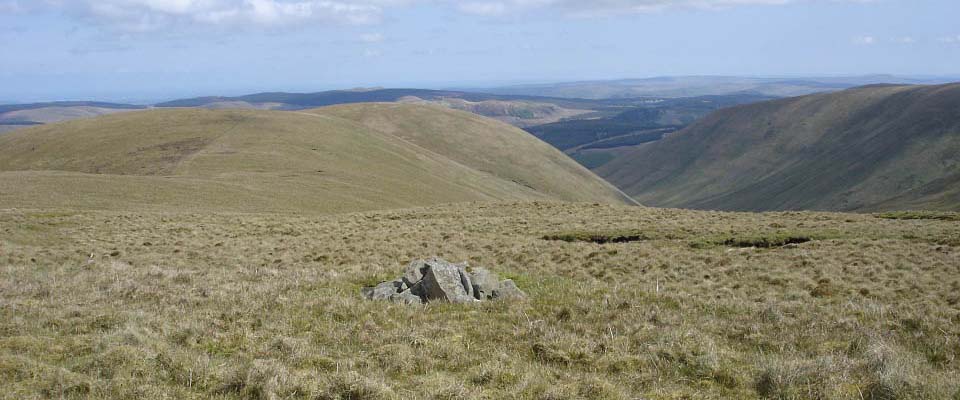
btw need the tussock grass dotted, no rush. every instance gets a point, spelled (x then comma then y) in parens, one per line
(267, 306)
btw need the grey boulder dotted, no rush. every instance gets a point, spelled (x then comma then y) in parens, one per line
(484, 283)
(435, 279)
(465, 279)
(406, 297)
(414, 271)
(508, 291)
(383, 291)
(444, 282)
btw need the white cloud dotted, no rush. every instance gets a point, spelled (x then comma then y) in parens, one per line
(372, 38)
(145, 15)
(950, 39)
(483, 8)
(148, 15)
(905, 40)
(611, 7)
(865, 40)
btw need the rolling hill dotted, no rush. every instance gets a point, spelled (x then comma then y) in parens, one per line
(869, 148)
(592, 131)
(516, 110)
(340, 159)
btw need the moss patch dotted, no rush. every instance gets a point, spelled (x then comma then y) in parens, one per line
(598, 237)
(921, 215)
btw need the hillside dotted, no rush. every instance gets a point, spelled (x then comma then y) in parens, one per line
(591, 131)
(323, 160)
(869, 148)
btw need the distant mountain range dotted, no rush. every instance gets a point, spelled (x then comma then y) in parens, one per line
(516, 110)
(523, 106)
(694, 86)
(877, 147)
(13, 116)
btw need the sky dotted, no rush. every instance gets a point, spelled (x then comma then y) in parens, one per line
(152, 50)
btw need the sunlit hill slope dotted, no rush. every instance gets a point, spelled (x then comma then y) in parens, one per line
(345, 158)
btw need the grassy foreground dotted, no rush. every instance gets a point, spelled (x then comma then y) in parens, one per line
(266, 306)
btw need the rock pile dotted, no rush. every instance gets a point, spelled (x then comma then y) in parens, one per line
(435, 279)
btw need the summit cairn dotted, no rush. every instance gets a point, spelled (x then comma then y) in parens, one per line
(435, 279)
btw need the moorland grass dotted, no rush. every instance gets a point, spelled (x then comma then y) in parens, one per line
(135, 305)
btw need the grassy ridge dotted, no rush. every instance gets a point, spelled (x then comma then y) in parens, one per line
(240, 306)
(871, 148)
(484, 145)
(316, 161)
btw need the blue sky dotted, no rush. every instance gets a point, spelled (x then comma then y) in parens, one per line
(144, 50)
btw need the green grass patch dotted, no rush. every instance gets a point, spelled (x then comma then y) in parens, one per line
(931, 215)
(767, 241)
(758, 240)
(598, 237)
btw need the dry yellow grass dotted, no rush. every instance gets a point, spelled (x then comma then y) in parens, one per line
(175, 305)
